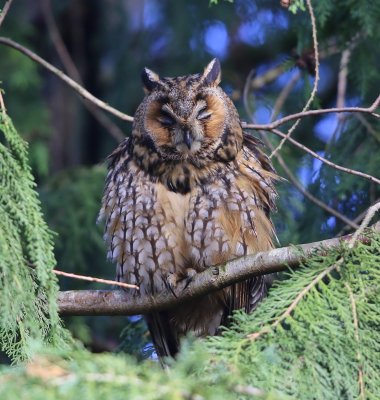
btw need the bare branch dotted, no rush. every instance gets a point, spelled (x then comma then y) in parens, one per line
(275, 124)
(92, 279)
(73, 72)
(5, 10)
(74, 85)
(277, 107)
(117, 302)
(324, 160)
(316, 79)
(306, 193)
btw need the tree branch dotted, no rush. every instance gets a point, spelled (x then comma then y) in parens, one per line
(117, 302)
(269, 127)
(73, 71)
(74, 85)
(92, 279)
(5, 10)
(316, 79)
(276, 109)
(324, 160)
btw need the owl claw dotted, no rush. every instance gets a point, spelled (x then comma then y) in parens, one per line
(190, 273)
(171, 283)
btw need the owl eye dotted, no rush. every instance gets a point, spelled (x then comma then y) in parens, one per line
(204, 114)
(165, 119)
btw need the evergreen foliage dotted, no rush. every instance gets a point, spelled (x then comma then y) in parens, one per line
(318, 351)
(83, 245)
(28, 288)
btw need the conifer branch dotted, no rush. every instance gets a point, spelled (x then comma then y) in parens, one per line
(117, 302)
(355, 322)
(74, 85)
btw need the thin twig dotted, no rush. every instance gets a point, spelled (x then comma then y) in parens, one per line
(2, 105)
(342, 78)
(74, 85)
(5, 10)
(368, 126)
(324, 160)
(284, 94)
(275, 124)
(92, 279)
(306, 193)
(118, 302)
(370, 213)
(277, 107)
(246, 90)
(355, 321)
(356, 220)
(73, 72)
(316, 78)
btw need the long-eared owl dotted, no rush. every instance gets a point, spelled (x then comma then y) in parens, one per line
(187, 191)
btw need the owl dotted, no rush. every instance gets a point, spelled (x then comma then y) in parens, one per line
(187, 191)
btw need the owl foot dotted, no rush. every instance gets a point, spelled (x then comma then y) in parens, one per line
(171, 282)
(190, 273)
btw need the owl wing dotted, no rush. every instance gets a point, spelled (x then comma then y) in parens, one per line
(141, 232)
(248, 294)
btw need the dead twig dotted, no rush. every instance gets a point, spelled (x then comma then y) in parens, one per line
(92, 279)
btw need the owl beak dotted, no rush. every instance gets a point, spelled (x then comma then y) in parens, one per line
(188, 139)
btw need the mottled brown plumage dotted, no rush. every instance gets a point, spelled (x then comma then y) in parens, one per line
(188, 190)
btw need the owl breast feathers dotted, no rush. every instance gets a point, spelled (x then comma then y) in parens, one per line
(187, 191)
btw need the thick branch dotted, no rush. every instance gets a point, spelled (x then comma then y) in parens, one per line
(117, 302)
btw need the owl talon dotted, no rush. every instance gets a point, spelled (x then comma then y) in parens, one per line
(190, 273)
(171, 283)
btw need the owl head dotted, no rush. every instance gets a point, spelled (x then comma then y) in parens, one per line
(188, 117)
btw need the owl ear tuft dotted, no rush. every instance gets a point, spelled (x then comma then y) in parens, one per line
(212, 73)
(150, 79)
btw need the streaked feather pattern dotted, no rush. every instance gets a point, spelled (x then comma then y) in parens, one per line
(171, 213)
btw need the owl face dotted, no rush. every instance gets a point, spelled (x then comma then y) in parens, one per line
(184, 117)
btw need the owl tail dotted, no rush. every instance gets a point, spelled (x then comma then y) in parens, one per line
(164, 339)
